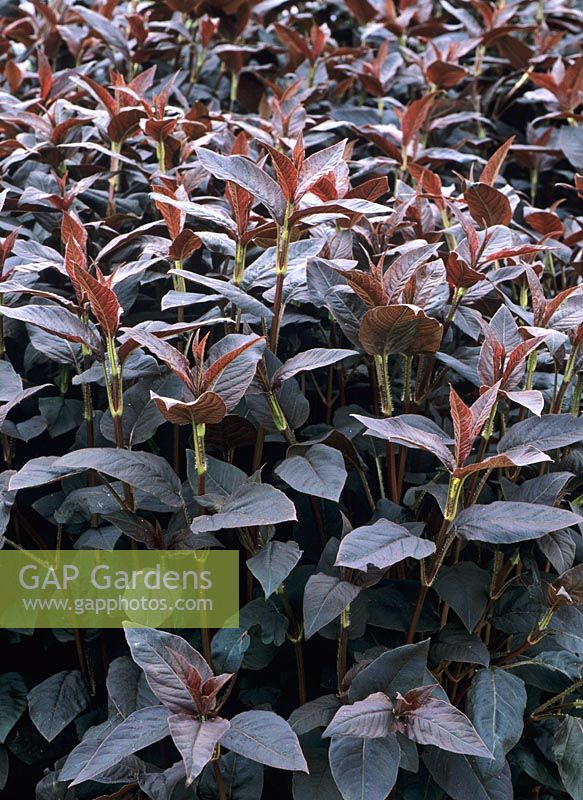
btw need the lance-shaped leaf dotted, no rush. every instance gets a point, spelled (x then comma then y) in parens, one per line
(264, 737)
(273, 563)
(504, 522)
(518, 457)
(364, 769)
(208, 408)
(494, 163)
(196, 741)
(379, 545)
(397, 430)
(370, 718)
(250, 505)
(167, 353)
(244, 301)
(249, 176)
(325, 597)
(319, 472)
(439, 723)
(399, 329)
(102, 299)
(54, 703)
(496, 704)
(56, 321)
(309, 360)
(547, 432)
(141, 729)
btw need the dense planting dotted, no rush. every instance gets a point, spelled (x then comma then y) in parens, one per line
(304, 282)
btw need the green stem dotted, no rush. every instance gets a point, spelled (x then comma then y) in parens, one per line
(384, 385)
(342, 654)
(281, 263)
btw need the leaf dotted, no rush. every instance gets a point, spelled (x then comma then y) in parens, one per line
(242, 778)
(547, 432)
(364, 769)
(494, 163)
(571, 143)
(249, 176)
(380, 545)
(455, 644)
(487, 205)
(319, 164)
(4, 766)
(567, 589)
(141, 729)
(314, 714)
(397, 430)
(560, 548)
(208, 408)
(170, 355)
(104, 27)
(55, 702)
(10, 382)
(504, 522)
(325, 597)
(231, 366)
(273, 563)
(398, 670)
(370, 718)
(146, 471)
(56, 321)
(496, 704)
(264, 737)
(12, 702)
(438, 723)
(568, 750)
(309, 360)
(465, 588)
(251, 504)
(102, 299)
(244, 301)
(154, 651)
(399, 329)
(319, 782)
(461, 777)
(196, 741)
(463, 426)
(319, 472)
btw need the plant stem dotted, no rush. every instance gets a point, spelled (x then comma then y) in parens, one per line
(342, 654)
(296, 639)
(281, 262)
(219, 779)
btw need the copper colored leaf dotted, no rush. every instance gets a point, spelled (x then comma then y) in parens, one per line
(487, 205)
(495, 162)
(102, 299)
(208, 408)
(399, 329)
